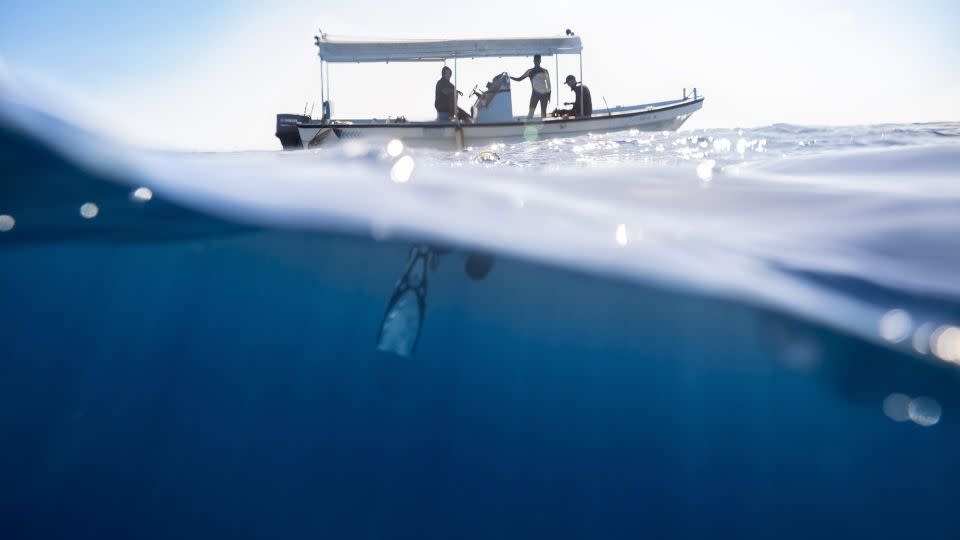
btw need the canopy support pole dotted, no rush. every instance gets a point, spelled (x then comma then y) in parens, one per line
(328, 112)
(556, 76)
(581, 85)
(323, 91)
(458, 130)
(456, 100)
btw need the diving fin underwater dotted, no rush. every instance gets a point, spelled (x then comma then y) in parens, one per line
(403, 320)
(406, 309)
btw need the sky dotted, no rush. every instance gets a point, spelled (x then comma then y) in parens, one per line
(211, 75)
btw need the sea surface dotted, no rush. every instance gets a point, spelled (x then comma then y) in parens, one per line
(721, 333)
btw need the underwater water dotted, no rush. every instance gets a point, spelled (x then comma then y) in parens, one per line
(711, 333)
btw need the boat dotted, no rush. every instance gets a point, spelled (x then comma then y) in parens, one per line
(492, 110)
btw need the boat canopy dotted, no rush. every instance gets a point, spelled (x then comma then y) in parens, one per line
(432, 50)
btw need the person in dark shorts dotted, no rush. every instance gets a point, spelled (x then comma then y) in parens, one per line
(581, 98)
(540, 82)
(445, 98)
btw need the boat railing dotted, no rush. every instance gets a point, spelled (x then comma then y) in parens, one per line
(642, 107)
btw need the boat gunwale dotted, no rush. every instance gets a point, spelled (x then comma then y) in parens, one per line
(628, 114)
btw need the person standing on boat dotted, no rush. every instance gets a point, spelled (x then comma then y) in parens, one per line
(583, 103)
(540, 81)
(445, 98)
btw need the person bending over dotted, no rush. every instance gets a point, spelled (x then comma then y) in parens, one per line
(582, 104)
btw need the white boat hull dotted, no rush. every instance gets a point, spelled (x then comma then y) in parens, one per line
(666, 116)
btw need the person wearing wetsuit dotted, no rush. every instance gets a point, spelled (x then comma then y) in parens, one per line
(445, 98)
(540, 82)
(582, 98)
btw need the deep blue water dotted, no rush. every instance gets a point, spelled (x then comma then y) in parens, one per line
(166, 373)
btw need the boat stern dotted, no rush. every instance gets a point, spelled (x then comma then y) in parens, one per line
(287, 130)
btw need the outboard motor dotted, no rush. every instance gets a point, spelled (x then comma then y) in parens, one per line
(287, 130)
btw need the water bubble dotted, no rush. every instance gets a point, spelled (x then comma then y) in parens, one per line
(141, 194)
(895, 325)
(924, 411)
(395, 148)
(621, 235)
(897, 407)
(7, 222)
(89, 210)
(402, 169)
(705, 170)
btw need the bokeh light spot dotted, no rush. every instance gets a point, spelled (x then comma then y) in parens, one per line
(705, 170)
(945, 343)
(921, 338)
(142, 194)
(402, 169)
(394, 148)
(89, 210)
(621, 235)
(924, 411)
(897, 407)
(895, 325)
